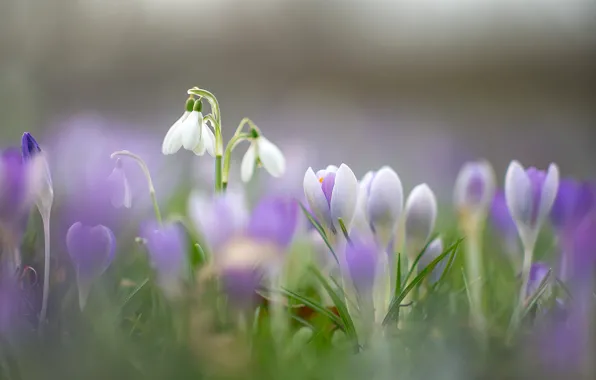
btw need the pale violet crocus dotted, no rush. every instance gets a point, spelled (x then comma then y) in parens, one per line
(530, 195)
(420, 216)
(332, 195)
(383, 203)
(264, 152)
(432, 251)
(190, 132)
(474, 190)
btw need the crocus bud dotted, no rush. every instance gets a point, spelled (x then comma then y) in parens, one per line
(166, 248)
(91, 251)
(274, 220)
(119, 188)
(474, 189)
(420, 217)
(433, 250)
(574, 201)
(384, 203)
(31, 152)
(332, 194)
(538, 273)
(530, 195)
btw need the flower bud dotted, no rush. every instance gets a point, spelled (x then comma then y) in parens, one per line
(420, 217)
(474, 188)
(119, 188)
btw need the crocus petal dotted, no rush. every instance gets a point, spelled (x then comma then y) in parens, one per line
(549, 193)
(538, 272)
(332, 168)
(190, 130)
(433, 250)
(361, 261)
(344, 197)
(518, 194)
(247, 167)
(316, 198)
(385, 203)
(91, 249)
(420, 217)
(172, 142)
(271, 157)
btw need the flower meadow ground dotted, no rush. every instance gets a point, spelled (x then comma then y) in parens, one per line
(345, 278)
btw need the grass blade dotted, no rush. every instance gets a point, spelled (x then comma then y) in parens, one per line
(537, 294)
(398, 277)
(314, 305)
(319, 229)
(396, 302)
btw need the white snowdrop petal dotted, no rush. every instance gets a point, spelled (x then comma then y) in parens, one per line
(200, 149)
(271, 157)
(420, 215)
(190, 130)
(518, 194)
(247, 167)
(315, 197)
(344, 196)
(171, 142)
(549, 192)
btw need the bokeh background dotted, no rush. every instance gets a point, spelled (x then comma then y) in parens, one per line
(421, 85)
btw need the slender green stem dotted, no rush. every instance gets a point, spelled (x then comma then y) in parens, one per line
(45, 216)
(145, 170)
(218, 175)
(234, 141)
(474, 269)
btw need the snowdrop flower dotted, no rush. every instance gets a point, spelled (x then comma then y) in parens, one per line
(166, 248)
(420, 217)
(190, 132)
(332, 194)
(120, 195)
(382, 195)
(91, 251)
(530, 195)
(264, 152)
(474, 189)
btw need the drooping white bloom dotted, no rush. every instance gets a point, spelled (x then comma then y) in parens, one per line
(190, 132)
(474, 188)
(420, 217)
(332, 194)
(263, 151)
(530, 195)
(120, 195)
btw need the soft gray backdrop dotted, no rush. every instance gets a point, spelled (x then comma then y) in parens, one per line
(420, 85)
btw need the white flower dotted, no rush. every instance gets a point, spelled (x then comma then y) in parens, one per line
(332, 194)
(268, 154)
(530, 195)
(474, 188)
(190, 132)
(420, 217)
(384, 202)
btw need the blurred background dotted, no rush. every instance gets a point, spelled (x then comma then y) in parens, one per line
(421, 85)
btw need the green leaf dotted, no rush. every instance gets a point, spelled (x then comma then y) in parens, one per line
(417, 260)
(341, 306)
(134, 292)
(398, 276)
(319, 229)
(537, 294)
(316, 306)
(396, 301)
(446, 270)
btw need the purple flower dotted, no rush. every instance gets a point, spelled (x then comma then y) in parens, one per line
(274, 220)
(167, 251)
(503, 222)
(583, 254)
(240, 285)
(433, 250)
(29, 146)
(118, 185)
(574, 201)
(91, 250)
(362, 259)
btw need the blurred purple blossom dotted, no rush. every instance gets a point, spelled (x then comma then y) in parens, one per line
(91, 249)
(537, 178)
(240, 284)
(574, 201)
(274, 219)
(503, 222)
(16, 188)
(362, 259)
(167, 251)
(538, 273)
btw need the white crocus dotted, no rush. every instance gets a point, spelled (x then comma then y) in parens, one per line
(530, 195)
(384, 204)
(263, 151)
(332, 194)
(420, 217)
(474, 189)
(190, 132)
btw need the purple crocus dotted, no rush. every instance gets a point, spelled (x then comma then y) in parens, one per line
(538, 273)
(91, 250)
(29, 146)
(166, 247)
(574, 201)
(502, 221)
(16, 187)
(274, 220)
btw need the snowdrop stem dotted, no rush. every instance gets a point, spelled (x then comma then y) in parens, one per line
(45, 216)
(234, 141)
(145, 170)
